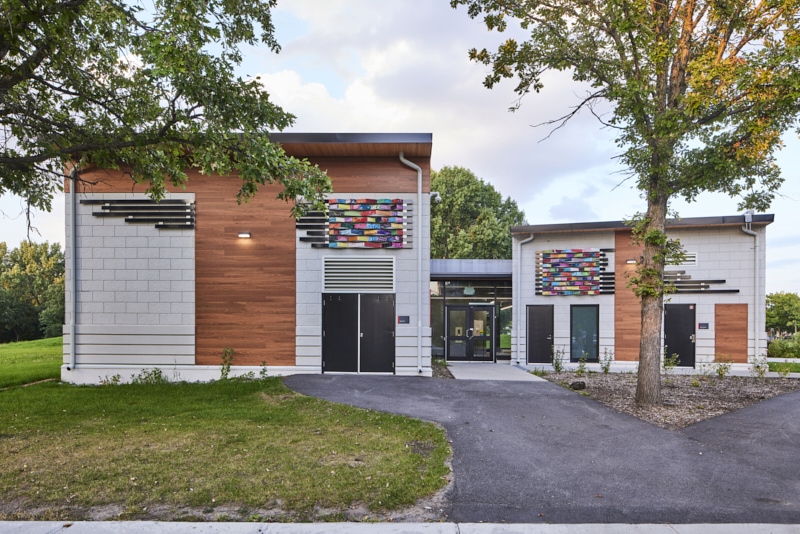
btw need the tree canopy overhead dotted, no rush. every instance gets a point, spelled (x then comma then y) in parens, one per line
(472, 220)
(701, 92)
(150, 90)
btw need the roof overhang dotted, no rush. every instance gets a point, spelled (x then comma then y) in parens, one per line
(463, 269)
(351, 145)
(605, 226)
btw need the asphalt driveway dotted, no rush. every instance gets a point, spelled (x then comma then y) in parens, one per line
(534, 452)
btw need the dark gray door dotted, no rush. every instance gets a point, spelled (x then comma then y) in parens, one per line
(340, 333)
(679, 333)
(358, 333)
(377, 333)
(540, 333)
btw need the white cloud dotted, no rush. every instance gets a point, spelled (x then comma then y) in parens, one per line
(402, 66)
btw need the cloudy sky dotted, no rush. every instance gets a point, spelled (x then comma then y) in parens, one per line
(402, 66)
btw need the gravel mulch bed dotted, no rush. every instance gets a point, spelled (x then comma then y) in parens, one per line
(440, 369)
(686, 399)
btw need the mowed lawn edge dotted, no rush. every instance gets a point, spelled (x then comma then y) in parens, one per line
(252, 444)
(30, 361)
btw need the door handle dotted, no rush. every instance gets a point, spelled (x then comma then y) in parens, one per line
(469, 332)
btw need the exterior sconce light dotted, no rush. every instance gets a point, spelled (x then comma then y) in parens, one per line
(630, 262)
(244, 235)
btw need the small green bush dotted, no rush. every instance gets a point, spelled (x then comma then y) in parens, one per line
(784, 348)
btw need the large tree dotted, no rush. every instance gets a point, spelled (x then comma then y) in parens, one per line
(783, 311)
(31, 291)
(151, 91)
(701, 92)
(472, 220)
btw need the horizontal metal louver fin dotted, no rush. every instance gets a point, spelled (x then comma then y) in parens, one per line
(343, 275)
(174, 214)
(689, 258)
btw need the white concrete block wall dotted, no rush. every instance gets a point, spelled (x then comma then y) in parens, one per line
(525, 284)
(135, 289)
(309, 262)
(724, 253)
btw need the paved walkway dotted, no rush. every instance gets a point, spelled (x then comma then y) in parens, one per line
(491, 371)
(537, 453)
(153, 527)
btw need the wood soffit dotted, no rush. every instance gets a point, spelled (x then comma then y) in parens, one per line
(355, 145)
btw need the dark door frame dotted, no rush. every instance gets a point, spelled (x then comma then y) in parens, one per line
(540, 333)
(360, 329)
(470, 339)
(679, 333)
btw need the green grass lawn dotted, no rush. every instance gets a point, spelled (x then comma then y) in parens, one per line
(780, 366)
(245, 445)
(30, 361)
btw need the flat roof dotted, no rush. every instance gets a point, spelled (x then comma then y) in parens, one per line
(687, 222)
(470, 270)
(344, 145)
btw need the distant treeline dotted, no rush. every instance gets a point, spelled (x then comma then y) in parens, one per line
(31, 291)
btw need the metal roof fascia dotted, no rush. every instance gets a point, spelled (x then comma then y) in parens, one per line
(351, 138)
(762, 219)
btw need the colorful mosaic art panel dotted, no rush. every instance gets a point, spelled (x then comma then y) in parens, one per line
(569, 272)
(368, 223)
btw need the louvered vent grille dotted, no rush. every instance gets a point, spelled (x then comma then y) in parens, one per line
(343, 275)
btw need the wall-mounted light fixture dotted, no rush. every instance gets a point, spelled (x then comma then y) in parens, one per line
(630, 262)
(244, 235)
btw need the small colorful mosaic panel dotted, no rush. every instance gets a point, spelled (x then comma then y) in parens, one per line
(368, 223)
(569, 272)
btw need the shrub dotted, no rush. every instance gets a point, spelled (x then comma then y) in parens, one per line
(558, 360)
(784, 348)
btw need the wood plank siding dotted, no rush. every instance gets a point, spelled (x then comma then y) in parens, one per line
(730, 332)
(627, 306)
(245, 289)
(374, 175)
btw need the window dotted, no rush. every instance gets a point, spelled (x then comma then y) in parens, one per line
(584, 332)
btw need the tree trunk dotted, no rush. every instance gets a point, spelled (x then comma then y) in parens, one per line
(648, 385)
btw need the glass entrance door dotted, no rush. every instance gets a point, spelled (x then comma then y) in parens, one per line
(469, 333)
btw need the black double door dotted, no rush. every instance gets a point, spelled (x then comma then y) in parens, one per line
(540, 333)
(469, 333)
(679, 333)
(358, 333)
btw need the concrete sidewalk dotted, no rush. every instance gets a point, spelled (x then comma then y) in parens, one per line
(156, 527)
(491, 371)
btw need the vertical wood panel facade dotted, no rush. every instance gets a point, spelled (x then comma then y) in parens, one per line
(245, 289)
(374, 175)
(627, 306)
(730, 332)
